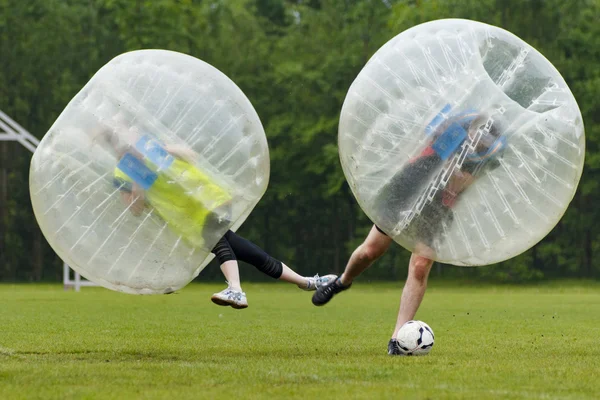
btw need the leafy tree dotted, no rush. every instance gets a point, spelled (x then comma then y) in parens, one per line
(295, 60)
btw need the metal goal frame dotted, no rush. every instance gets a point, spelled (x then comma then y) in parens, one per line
(10, 131)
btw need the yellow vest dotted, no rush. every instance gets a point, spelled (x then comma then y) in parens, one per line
(183, 196)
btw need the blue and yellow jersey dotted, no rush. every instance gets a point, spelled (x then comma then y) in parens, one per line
(448, 137)
(179, 192)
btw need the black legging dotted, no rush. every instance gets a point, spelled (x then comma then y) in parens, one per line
(405, 186)
(234, 247)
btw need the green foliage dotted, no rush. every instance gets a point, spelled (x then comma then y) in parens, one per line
(295, 60)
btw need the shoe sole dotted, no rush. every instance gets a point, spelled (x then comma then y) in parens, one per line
(219, 302)
(226, 303)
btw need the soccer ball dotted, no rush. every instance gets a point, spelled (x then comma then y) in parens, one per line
(415, 338)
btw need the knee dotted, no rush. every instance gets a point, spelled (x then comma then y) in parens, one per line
(419, 268)
(223, 251)
(370, 252)
(272, 267)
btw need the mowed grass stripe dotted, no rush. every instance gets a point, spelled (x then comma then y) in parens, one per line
(496, 342)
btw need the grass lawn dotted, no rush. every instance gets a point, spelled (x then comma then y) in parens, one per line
(492, 342)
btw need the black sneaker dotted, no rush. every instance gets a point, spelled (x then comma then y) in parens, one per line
(394, 348)
(326, 292)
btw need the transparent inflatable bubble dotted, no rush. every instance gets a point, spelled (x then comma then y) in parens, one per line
(461, 142)
(146, 169)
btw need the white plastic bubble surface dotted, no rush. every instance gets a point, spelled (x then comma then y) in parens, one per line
(157, 128)
(462, 142)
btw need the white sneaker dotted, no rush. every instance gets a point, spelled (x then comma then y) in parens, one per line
(230, 297)
(315, 282)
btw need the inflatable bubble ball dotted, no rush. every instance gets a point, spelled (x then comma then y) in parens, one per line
(146, 169)
(461, 142)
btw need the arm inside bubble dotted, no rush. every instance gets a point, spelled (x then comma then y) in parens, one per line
(459, 182)
(134, 200)
(181, 151)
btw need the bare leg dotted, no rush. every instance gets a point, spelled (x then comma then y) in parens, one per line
(370, 250)
(232, 274)
(245, 250)
(232, 296)
(414, 289)
(289, 275)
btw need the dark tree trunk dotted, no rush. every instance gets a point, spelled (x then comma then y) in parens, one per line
(336, 236)
(4, 264)
(588, 254)
(38, 259)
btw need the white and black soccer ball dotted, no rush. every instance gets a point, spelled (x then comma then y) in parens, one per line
(415, 338)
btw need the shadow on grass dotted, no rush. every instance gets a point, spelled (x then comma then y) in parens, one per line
(214, 355)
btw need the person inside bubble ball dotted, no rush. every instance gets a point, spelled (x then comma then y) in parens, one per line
(163, 178)
(447, 139)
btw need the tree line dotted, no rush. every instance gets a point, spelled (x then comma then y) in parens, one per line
(295, 60)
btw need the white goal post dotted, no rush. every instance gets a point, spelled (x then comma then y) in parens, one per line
(11, 131)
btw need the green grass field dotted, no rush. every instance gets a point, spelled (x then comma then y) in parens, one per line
(491, 342)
